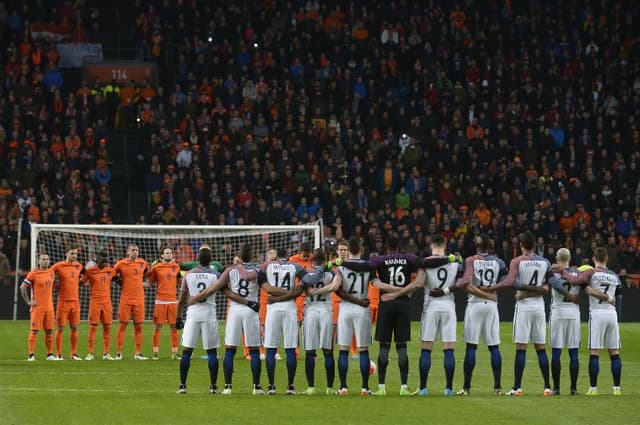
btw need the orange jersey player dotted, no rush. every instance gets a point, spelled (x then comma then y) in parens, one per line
(131, 272)
(68, 309)
(303, 258)
(165, 275)
(40, 283)
(100, 308)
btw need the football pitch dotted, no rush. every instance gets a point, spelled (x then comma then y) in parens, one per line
(144, 392)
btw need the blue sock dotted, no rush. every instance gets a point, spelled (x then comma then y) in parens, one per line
(270, 362)
(330, 367)
(256, 366)
(556, 367)
(518, 368)
(227, 365)
(424, 366)
(496, 366)
(469, 364)
(616, 369)
(185, 364)
(365, 365)
(383, 362)
(310, 366)
(212, 362)
(543, 362)
(449, 367)
(343, 367)
(594, 370)
(574, 367)
(292, 364)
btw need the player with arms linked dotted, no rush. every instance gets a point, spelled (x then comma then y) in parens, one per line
(201, 321)
(603, 288)
(395, 270)
(528, 273)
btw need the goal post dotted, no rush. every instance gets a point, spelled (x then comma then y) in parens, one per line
(225, 242)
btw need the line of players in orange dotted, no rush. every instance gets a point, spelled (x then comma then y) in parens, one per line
(130, 273)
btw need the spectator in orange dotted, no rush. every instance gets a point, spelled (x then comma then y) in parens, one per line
(566, 222)
(475, 130)
(483, 213)
(581, 213)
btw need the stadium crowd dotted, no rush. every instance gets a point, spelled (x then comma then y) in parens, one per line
(378, 117)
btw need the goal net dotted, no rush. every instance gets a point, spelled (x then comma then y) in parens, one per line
(225, 242)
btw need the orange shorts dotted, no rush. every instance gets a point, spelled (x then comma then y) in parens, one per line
(165, 313)
(100, 312)
(42, 319)
(68, 311)
(128, 308)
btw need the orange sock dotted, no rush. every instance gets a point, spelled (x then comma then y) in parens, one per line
(59, 342)
(48, 342)
(74, 341)
(122, 328)
(156, 340)
(137, 336)
(174, 340)
(354, 349)
(92, 337)
(33, 337)
(106, 337)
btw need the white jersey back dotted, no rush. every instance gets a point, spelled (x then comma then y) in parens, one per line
(355, 283)
(197, 281)
(606, 281)
(532, 271)
(319, 279)
(282, 274)
(486, 272)
(248, 289)
(441, 277)
(561, 304)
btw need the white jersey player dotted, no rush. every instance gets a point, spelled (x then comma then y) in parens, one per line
(439, 315)
(603, 287)
(281, 322)
(528, 273)
(201, 321)
(354, 318)
(564, 322)
(481, 318)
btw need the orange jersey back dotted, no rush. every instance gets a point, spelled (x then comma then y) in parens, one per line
(374, 296)
(100, 283)
(41, 284)
(69, 279)
(306, 264)
(166, 277)
(132, 273)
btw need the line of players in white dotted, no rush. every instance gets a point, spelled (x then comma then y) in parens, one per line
(481, 276)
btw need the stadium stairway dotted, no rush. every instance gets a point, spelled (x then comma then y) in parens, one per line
(128, 198)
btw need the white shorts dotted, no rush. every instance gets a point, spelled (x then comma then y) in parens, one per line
(194, 329)
(529, 326)
(481, 319)
(564, 332)
(318, 329)
(603, 330)
(279, 324)
(242, 319)
(354, 320)
(434, 321)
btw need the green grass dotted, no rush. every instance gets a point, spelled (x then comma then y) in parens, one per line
(131, 392)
